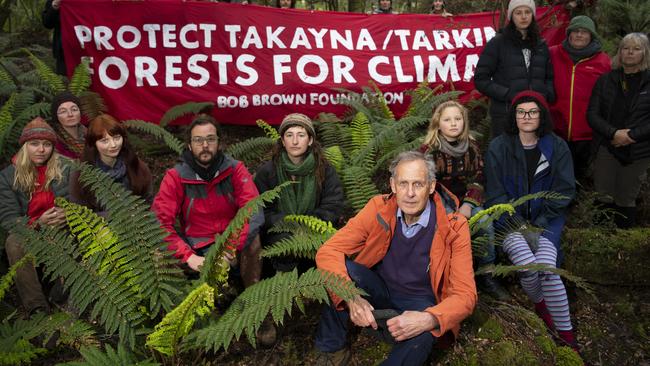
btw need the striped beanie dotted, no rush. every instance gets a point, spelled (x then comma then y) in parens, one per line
(37, 129)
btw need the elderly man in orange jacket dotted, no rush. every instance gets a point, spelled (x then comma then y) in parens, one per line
(412, 255)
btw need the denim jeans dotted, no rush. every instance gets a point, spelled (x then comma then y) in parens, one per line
(333, 326)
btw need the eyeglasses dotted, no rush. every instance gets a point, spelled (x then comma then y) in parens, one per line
(63, 111)
(200, 140)
(533, 113)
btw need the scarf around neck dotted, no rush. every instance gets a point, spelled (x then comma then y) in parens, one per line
(455, 149)
(75, 145)
(581, 54)
(205, 173)
(300, 197)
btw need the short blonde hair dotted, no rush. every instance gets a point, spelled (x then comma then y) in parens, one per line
(636, 39)
(432, 138)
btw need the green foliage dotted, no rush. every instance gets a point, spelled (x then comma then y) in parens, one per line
(8, 279)
(15, 345)
(95, 357)
(6, 120)
(214, 272)
(269, 130)
(180, 110)
(92, 104)
(275, 295)
(251, 149)
(53, 81)
(178, 323)
(308, 234)
(425, 99)
(359, 187)
(158, 132)
(360, 132)
(80, 81)
(335, 157)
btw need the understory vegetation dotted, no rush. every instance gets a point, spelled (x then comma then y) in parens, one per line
(128, 303)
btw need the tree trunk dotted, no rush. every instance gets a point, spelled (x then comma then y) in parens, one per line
(356, 6)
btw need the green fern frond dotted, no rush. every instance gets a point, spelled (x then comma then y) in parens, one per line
(269, 130)
(54, 82)
(313, 223)
(214, 272)
(478, 221)
(275, 295)
(180, 110)
(299, 245)
(335, 134)
(383, 161)
(80, 80)
(132, 221)
(20, 352)
(503, 271)
(252, 149)
(6, 120)
(5, 77)
(158, 132)
(383, 105)
(543, 195)
(93, 356)
(335, 157)
(178, 323)
(92, 104)
(8, 279)
(359, 187)
(360, 132)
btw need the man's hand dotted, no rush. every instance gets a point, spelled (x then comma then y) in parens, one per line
(361, 313)
(195, 262)
(411, 324)
(622, 138)
(465, 210)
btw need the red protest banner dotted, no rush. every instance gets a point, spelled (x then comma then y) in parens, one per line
(259, 62)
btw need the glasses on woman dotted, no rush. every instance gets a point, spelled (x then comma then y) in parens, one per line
(533, 113)
(64, 111)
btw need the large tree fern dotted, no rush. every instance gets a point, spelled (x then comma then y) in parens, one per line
(158, 132)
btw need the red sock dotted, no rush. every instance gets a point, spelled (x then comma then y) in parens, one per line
(542, 312)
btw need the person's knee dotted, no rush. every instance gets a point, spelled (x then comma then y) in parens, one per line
(14, 248)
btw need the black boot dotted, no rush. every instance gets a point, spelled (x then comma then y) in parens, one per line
(489, 285)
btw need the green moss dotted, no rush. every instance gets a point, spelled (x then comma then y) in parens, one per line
(545, 344)
(376, 354)
(491, 330)
(508, 353)
(467, 357)
(565, 356)
(476, 320)
(592, 253)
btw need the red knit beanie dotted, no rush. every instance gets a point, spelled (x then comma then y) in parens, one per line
(541, 101)
(37, 129)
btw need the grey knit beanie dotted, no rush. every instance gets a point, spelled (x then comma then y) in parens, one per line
(514, 4)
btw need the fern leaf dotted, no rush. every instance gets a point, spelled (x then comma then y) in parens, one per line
(8, 279)
(387, 113)
(334, 156)
(80, 80)
(54, 82)
(178, 323)
(157, 131)
(360, 132)
(20, 352)
(6, 120)
(93, 356)
(269, 130)
(178, 111)
(299, 245)
(503, 271)
(275, 295)
(213, 271)
(252, 149)
(313, 223)
(92, 104)
(359, 187)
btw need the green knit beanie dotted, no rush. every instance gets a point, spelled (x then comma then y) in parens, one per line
(582, 21)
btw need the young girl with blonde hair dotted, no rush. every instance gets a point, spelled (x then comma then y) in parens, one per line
(459, 168)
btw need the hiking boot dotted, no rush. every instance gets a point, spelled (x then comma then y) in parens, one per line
(542, 311)
(267, 334)
(489, 285)
(339, 358)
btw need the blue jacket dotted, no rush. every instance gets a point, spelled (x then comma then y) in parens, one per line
(507, 179)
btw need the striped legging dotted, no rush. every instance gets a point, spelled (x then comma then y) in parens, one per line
(540, 285)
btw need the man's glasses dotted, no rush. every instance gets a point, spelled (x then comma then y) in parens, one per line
(533, 113)
(200, 140)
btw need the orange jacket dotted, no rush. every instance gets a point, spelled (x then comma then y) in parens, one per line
(369, 234)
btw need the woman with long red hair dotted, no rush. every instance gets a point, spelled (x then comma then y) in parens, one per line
(107, 147)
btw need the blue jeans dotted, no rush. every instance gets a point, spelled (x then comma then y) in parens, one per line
(489, 256)
(333, 326)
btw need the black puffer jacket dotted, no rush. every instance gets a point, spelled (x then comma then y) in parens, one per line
(501, 73)
(51, 20)
(602, 110)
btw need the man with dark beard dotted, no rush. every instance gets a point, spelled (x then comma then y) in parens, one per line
(205, 191)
